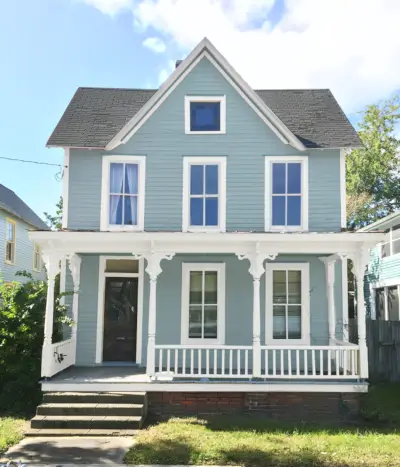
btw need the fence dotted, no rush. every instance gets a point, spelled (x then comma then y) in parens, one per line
(383, 339)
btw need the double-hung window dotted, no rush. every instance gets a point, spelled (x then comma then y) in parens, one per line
(204, 193)
(123, 189)
(391, 244)
(203, 303)
(286, 194)
(37, 260)
(205, 115)
(287, 303)
(10, 241)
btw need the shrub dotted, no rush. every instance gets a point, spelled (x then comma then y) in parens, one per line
(22, 311)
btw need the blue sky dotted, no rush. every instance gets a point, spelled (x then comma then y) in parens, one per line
(50, 47)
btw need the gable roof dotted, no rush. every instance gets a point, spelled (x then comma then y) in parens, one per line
(14, 205)
(382, 224)
(106, 117)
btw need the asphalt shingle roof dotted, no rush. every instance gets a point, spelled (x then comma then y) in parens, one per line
(95, 115)
(13, 204)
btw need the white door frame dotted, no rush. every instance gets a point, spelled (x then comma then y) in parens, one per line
(100, 304)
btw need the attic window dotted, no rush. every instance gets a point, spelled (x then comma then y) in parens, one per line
(205, 115)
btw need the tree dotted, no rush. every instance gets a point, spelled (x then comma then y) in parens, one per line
(372, 172)
(55, 222)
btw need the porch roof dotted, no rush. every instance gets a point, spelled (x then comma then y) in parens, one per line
(344, 243)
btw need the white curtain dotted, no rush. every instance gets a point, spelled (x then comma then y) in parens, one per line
(116, 179)
(131, 187)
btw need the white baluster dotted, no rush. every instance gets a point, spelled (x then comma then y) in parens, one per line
(230, 362)
(215, 372)
(223, 362)
(199, 361)
(321, 362)
(282, 365)
(297, 362)
(289, 354)
(176, 361)
(191, 362)
(168, 360)
(246, 362)
(306, 362)
(314, 371)
(329, 363)
(274, 362)
(207, 362)
(160, 355)
(337, 363)
(184, 362)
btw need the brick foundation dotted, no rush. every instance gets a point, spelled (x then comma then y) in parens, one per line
(307, 407)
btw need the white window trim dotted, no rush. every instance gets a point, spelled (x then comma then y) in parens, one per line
(221, 162)
(269, 160)
(305, 308)
(390, 242)
(39, 268)
(105, 199)
(385, 286)
(101, 299)
(222, 114)
(186, 269)
(11, 221)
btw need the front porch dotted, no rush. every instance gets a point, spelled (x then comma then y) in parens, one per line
(245, 352)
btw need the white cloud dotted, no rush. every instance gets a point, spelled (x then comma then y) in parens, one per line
(155, 44)
(109, 7)
(165, 72)
(350, 46)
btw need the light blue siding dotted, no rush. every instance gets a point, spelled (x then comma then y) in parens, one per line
(24, 251)
(163, 141)
(239, 302)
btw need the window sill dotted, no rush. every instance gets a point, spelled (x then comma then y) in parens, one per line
(9, 263)
(122, 228)
(205, 132)
(285, 229)
(204, 230)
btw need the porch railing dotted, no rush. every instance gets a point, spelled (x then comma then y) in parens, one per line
(305, 362)
(57, 357)
(204, 361)
(340, 361)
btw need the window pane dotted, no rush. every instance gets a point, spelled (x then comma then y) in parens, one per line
(294, 322)
(294, 178)
(279, 286)
(211, 211)
(195, 322)
(385, 250)
(122, 265)
(396, 232)
(210, 322)
(211, 179)
(211, 287)
(279, 322)
(278, 178)
(131, 178)
(393, 303)
(9, 250)
(278, 210)
(10, 231)
(294, 210)
(380, 303)
(396, 246)
(196, 211)
(116, 209)
(130, 211)
(205, 116)
(116, 177)
(196, 287)
(196, 179)
(294, 285)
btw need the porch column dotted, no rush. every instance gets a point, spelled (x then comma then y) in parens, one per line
(329, 262)
(52, 263)
(256, 269)
(360, 262)
(153, 269)
(74, 262)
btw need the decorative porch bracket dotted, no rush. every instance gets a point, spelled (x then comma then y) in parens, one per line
(360, 262)
(330, 262)
(153, 269)
(257, 269)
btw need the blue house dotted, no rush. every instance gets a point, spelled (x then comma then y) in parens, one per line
(204, 236)
(383, 274)
(17, 251)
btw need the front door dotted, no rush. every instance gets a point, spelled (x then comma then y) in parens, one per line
(120, 319)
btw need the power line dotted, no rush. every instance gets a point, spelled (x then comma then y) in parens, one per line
(34, 162)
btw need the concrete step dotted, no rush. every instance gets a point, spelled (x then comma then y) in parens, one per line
(87, 421)
(90, 409)
(95, 397)
(44, 432)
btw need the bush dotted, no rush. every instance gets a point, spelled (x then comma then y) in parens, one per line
(22, 311)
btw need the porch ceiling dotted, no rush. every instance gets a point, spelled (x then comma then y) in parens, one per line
(187, 242)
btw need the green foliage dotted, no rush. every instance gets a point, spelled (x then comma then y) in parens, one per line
(55, 222)
(372, 172)
(22, 311)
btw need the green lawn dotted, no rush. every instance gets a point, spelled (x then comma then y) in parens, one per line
(258, 443)
(11, 430)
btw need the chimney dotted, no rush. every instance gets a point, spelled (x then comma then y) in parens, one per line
(177, 63)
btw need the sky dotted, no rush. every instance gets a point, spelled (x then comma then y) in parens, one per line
(50, 47)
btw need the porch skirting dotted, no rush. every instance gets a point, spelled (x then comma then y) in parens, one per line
(288, 406)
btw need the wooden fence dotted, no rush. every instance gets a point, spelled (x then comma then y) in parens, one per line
(383, 339)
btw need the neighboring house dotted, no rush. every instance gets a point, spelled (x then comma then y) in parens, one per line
(17, 251)
(383, 276)
(204, 227)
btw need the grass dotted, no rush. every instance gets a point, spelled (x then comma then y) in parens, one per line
(11, 430)
(258, 442)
